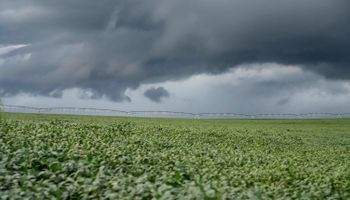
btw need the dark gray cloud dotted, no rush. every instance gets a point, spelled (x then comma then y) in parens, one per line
(156, 94)
(105, 47)
(282, 102)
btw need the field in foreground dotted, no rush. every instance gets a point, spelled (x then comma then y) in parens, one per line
(44, 156)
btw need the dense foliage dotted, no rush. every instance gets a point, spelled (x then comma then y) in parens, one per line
(131, 160)
(1, 111)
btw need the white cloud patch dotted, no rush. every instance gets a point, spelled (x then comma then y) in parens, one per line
(4, 49)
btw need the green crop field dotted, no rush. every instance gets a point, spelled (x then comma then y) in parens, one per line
(77, 157)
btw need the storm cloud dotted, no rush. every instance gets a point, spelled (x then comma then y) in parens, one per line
(106, 47)
(156, 94)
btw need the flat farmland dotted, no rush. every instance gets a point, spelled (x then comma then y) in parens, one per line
(84, 157)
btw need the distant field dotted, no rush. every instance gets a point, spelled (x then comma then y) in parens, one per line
(66, 156)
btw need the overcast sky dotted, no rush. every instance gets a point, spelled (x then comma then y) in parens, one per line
(184, 55)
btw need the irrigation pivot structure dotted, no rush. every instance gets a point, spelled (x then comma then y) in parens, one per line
(162, 114)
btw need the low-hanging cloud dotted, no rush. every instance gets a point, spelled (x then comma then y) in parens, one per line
(106, 47)
(156, 94)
